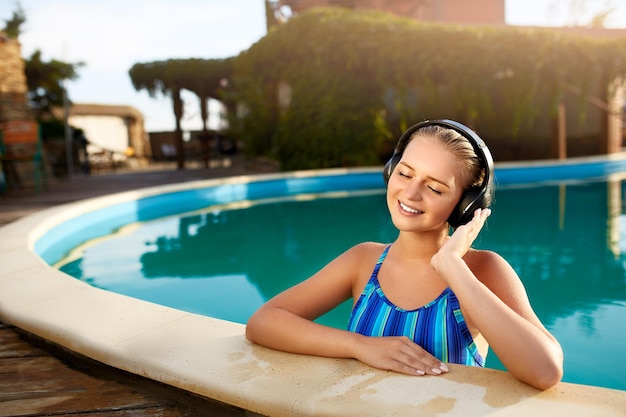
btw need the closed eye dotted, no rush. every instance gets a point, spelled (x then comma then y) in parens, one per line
(403, 175)
(435, 190)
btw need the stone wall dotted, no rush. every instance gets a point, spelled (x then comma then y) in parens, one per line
(13, 85)
(18, 166)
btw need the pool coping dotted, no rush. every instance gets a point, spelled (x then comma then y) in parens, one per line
(212, 358)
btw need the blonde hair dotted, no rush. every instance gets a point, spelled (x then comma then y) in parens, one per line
(460, 148)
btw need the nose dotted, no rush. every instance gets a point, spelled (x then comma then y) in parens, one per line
(414, 191)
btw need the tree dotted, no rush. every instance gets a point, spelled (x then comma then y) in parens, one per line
(599, 20)
(580, 11)
(12, 26)
(44, 79)
(204, 77)
(353, 76)
(45, 82)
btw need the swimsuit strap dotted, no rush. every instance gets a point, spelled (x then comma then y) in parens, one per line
(380, 262)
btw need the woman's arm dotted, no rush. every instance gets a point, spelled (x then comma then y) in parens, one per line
(286, 321)
(498, 306)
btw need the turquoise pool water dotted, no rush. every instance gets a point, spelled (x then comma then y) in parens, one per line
(566, 240)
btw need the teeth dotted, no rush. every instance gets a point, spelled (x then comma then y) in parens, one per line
(409, 209)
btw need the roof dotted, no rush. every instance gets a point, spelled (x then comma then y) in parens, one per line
(85, 109)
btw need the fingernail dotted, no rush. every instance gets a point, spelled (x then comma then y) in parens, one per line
(444, 367)
(420, 372)
(436, 371)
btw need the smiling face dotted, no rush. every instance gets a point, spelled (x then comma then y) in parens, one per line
(425, 186)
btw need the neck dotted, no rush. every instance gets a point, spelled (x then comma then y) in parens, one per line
(420, 245)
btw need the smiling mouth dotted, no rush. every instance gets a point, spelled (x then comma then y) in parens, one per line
(409, 209)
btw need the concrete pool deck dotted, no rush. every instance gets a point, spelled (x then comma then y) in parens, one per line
(212, 358)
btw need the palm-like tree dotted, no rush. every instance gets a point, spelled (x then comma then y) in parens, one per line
(201, 76)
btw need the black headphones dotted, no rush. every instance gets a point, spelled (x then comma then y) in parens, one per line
(474, 197)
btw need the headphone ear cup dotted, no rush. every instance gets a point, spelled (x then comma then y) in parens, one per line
(471, 200)
(390, 166)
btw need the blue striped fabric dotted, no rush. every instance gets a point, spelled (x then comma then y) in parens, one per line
(439, 326)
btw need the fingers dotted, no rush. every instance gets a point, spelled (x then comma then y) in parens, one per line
(481, 219)
(424, 366)
(474, 226)
(421, 369)
(481, 215)
(399, 354)
(412, 359)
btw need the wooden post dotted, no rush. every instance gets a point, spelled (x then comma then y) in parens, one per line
(614, 117)
(559, 132)
(178, 133)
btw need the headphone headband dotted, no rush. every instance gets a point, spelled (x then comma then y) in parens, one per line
(478, 197)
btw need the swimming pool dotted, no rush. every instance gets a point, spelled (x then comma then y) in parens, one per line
(212, 358)
(213, 260)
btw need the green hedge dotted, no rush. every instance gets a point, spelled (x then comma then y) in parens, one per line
(358, 78)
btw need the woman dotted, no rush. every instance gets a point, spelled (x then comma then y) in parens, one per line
(428, 298)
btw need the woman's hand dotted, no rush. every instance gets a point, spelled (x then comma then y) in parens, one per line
(461, 240)
(398, 354)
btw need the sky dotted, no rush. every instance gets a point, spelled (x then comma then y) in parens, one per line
(110, 36)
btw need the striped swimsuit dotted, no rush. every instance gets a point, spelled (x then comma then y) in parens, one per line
(439, 327)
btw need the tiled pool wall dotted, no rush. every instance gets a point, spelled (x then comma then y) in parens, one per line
(55, 242)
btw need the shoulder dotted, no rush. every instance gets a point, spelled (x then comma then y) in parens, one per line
(369, 249)
(364, 253)
(492, 269)
(478, 257)
(362, 259)
(359, 254)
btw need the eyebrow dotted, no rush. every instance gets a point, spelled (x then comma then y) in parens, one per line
(445, 184)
